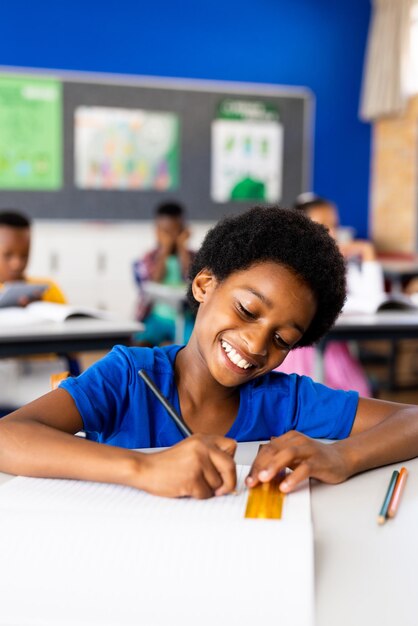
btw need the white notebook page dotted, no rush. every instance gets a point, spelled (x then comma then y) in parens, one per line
(74, 552)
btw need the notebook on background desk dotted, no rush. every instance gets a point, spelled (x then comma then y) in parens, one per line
(76, 552)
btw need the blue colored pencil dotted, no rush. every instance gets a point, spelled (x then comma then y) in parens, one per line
(385, 506)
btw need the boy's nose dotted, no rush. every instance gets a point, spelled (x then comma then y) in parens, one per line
(257, 341)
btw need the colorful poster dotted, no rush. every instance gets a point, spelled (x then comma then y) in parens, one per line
(30, 133)
(126, 149)
(247, 152)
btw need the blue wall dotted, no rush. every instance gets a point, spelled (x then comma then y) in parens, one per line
(316, 43)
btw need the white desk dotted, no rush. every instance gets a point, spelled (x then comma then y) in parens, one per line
(396, 271)
(392, 325)
(365, 574)
(73, 335)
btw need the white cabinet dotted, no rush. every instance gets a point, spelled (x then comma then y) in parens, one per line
(92, 262)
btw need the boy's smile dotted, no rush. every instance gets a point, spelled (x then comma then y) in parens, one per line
(247, 323)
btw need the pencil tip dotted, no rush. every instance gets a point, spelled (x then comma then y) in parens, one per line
(381, 519)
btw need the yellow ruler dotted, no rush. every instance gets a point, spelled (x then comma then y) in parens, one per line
(265, 501)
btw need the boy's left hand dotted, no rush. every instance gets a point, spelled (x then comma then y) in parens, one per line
(307, 457)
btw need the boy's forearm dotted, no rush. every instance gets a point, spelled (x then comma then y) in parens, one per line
(33, 449)
(392, 440)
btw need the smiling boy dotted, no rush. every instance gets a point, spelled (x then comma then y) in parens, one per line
(263, 283)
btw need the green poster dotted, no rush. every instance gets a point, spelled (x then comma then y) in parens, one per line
(30, 133)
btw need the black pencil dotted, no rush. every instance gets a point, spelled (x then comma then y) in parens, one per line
(166, 404)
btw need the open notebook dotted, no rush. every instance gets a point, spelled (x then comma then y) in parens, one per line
(47, 312)
(84, 553)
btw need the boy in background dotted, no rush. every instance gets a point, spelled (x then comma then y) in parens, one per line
(364, 281)
(168, 263)
(21, 380)
(15, 238)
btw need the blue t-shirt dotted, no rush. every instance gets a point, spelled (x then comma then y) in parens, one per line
(118, 408)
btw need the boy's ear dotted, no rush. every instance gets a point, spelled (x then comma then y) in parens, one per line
(203, 283)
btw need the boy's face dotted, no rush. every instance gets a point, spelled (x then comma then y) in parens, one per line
(325, 214)
(168, 230)
(247, 324)
(14, 252)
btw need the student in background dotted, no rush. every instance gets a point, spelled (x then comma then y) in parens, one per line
(15, 239)
(364, 281)
(21, 378)
(262, 283)
(168, 263)
(364, 273)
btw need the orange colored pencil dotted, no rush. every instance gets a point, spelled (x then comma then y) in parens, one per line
(397, 492)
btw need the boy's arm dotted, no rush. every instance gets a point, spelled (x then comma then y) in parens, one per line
(38, 440)
(383, 433)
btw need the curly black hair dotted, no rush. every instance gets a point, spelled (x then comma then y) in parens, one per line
(288, 238)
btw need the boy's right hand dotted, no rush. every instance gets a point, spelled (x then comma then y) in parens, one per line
(201, 466)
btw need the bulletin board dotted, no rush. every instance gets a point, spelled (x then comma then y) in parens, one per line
(102, 147)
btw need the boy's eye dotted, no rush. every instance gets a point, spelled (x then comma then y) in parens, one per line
(282, 343)
(245, 312)
(279, 341)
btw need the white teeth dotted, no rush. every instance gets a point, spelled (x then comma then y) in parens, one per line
(234, 356)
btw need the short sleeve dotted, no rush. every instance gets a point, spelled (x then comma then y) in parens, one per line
(52, 293)
(101, 393)
(318, 411)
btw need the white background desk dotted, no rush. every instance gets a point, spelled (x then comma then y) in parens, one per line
(391, 325)
(396, 271)
(73, 335)
(18, 385)
(365, 574)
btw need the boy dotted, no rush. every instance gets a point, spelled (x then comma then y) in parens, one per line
(14, 254)
(167, 264)
(20, 378)
(262, 283)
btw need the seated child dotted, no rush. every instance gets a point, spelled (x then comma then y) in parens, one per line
(364, 279)
(21, 377)
(263, 283)
(14, 254)
(167, 264)
(364, 273)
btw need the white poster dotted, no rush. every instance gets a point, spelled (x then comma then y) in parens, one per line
(247, 155)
